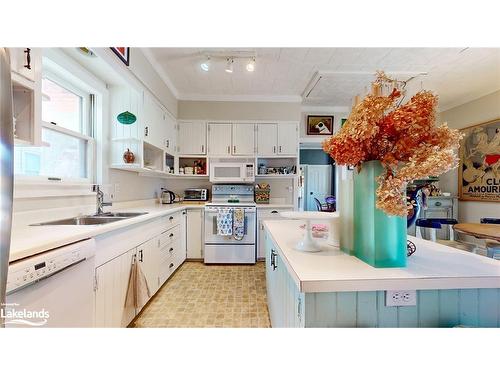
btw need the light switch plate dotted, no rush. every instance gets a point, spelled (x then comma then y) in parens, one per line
(400, 297)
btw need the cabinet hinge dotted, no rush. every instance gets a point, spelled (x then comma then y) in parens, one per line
(96, 285)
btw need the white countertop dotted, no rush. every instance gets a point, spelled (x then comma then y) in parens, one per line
(432, 266)
(30, 240)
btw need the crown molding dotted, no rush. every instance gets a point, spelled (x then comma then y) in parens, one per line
(241, 98)
(160, 71)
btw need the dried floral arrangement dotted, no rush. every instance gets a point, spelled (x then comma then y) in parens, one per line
(404, 137)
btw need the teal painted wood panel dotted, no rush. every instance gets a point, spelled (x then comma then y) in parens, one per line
(407, 316)
(435, 308)
(469, 307)
(428, 308)
(449, 315)
(387, 315)
(489, 307)
(366, 313)
(346, 309)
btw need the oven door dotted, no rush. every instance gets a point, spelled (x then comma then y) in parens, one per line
(211, 236)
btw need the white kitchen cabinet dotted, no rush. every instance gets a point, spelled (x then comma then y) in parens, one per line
(243, 139)
(171, 135)
(267, 139)
(148, 257)
(194, 234)
(277, 139)
(288, 138)
(192, 138)
(155, 131)
(183, 253)
(111, 284)
(219, 139)
(26, 61)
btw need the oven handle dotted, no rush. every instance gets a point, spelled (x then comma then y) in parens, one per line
(46, 277)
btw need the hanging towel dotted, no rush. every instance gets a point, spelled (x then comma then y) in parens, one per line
(138, 291)
(225, 221)
(239, 223)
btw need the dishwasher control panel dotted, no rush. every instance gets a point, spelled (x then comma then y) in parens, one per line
(38, 267)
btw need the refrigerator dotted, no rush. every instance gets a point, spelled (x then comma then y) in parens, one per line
(6, 170)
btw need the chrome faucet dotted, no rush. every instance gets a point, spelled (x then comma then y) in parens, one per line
(99, 200)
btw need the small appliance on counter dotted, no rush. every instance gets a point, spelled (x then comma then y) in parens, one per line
(168, 197)
(196, 194)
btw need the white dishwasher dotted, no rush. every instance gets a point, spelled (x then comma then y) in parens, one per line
(52, 289)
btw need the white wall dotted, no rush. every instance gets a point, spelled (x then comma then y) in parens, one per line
(226, 111)
(477, 111)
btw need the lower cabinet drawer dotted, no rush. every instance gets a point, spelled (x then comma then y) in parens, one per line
(172, 219)
(171, 257)
(170, 236)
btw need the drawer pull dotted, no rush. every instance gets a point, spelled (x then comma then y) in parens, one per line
(274, 212)
(171, 265)
(438, 204)
(171, 218)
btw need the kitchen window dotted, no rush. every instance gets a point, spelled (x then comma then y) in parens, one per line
(67, 154)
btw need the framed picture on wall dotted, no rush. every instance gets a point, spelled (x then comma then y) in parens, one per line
(342, 121)
(123, 53)
(319, 125)
(479, 169)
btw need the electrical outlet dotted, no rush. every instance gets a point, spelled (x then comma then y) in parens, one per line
(400, 297)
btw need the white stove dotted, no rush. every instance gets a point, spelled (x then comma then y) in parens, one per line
(229, 248)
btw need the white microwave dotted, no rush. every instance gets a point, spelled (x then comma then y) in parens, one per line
(232, 172)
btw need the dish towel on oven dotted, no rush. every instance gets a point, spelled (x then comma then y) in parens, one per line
(225, 221)
(239, 223)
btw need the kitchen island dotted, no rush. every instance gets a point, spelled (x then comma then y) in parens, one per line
(332, 289)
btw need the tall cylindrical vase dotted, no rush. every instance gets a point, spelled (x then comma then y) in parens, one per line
(379, 239)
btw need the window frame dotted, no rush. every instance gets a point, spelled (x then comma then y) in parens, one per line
(86, 134)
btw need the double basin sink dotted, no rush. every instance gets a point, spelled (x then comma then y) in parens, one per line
(105, 218)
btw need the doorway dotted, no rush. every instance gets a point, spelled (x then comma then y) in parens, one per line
(317, 178)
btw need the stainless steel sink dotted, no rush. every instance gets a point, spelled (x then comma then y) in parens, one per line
(84, 220)
(121, 214)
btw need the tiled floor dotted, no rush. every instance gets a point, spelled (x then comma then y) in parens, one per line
(200, 295)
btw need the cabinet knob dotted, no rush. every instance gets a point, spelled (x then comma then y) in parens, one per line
(171, 265)
(171, 235)
(171, 249)
(274, 212)
(438, 204)
(171, 218)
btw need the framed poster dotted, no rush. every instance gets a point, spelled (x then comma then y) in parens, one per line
(123, 53)
(479, 169)
(319, 125)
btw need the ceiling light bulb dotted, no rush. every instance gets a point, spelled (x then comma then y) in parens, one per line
(205, 65)
(229, 65)
(251, 65)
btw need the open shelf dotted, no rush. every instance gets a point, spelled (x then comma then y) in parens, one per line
(276, 175)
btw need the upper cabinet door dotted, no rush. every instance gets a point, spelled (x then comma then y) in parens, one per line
(219, 139)
(170, 133)
(267, 139)
(151, 126)
(287, 138)
(243, 139)
(192, 138)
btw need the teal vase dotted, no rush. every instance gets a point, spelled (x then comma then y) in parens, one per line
(379, 239)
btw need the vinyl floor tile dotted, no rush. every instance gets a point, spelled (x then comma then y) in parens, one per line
(210, 296)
